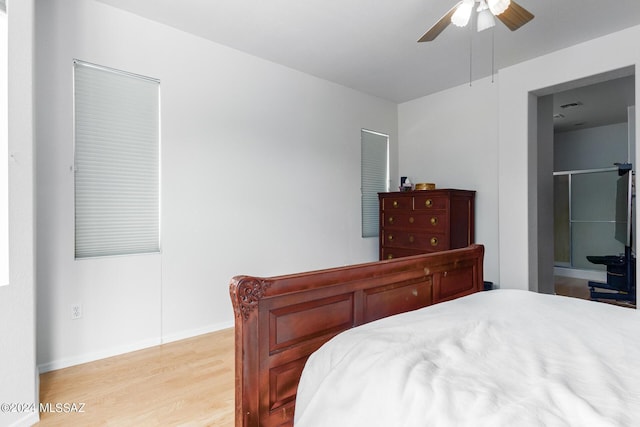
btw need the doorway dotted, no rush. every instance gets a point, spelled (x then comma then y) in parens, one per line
(593, 129)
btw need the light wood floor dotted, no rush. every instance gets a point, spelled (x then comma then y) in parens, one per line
(571, 287)
(186, 383)
(578, 288)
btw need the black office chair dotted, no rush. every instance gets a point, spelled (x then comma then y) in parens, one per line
(621, 274)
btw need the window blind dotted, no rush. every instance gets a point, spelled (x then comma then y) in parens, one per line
(117, 162)
(374, 178)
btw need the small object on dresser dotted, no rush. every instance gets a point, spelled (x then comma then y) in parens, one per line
(425, 186)
(406, 184)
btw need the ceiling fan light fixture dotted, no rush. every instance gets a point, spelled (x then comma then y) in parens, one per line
(498, 6)
(461, 16)
(510, 13)
(485, 20)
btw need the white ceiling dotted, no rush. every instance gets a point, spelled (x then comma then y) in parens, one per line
(371, 46)
(598, 104)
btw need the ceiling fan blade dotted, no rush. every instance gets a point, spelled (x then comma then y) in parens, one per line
(439, 26)
(515, 16)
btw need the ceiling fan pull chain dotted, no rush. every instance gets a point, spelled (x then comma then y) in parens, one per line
(493, 53)
(470, 54)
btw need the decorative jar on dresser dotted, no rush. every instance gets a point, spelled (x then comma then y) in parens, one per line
(416, 222)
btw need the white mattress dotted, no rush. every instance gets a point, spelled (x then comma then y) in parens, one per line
(497, 358)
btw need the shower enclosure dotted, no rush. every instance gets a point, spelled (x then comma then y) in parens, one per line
(590, 216)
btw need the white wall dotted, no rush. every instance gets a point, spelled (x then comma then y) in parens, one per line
(451, 138)
(260, 175)
(4, 153)
(517, 83)
(591, 148)
(479, 137)
(18, 379)
(252, 152)
(541, 207)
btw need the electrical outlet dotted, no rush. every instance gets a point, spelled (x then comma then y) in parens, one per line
(76, 311)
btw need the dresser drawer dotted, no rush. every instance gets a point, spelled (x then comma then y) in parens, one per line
(391, 204)
(391, 253)
(430, 201)
(427, 242)
(436, 221)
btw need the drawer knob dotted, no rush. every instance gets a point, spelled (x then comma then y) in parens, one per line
(390, 220)
(411, 220)
(434, 220)
(411, 239)
(390, 237)
(428, 203)
(390, 256)
(434, 241)
(395, 203)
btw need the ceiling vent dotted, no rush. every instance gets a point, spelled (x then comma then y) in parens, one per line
(571, 105)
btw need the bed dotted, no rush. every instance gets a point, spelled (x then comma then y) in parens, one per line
(497, 358)
(280, 321)
(429, 349)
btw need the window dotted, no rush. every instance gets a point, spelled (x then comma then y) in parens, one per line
(117, 162)
(4, 147)
(374, 177)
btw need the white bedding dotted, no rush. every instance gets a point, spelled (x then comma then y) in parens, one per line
(497, 358)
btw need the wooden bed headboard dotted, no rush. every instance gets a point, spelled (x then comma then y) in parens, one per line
(280, 321)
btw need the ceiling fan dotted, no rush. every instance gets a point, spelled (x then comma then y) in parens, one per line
(509, 12)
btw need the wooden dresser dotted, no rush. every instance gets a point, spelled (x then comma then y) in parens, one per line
(415, 222)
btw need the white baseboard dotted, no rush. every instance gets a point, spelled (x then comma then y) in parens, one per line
(92, 357)
(116, 351)
(27, 421)
(598, 276)
(195, 332)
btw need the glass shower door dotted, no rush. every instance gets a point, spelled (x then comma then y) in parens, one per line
(585, 217)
